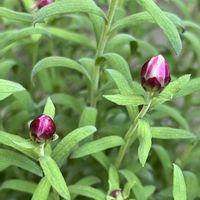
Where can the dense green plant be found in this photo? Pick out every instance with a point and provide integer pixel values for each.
(79, 62)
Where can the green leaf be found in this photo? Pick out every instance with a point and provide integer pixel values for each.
(63, 7)
(179, 187)
(8, 88)
(17, 35)
(67, 101)
(18, 143)
(57, 61)
(165, 161)
(5, 67)
(11, 158)
(65, 146)
(97, 146)
(124, 88)
(164, 23)
(97, 23)
(191, 24)
(26, 101)
(170, 133)
(174, 114)
(194, 41)
(19, 185)
(49, 108)
(191, 87)
(123, 100)
(171, 90)
(143, 17)
(118, 63)
(113, 179)
(144, 135)
(127, 189)
(42, 190)
(16, 16)
(86, 191)
(192, 185)
(71, 36)
(102, 159)
(54, 176)
(88, 180)
(137, 188)
(88, 117)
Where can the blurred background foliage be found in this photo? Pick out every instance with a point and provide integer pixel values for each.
(72, 36)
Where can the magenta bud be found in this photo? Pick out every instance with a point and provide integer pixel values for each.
(115, 193)
(42, 128)
(155, 74)
(42, 3)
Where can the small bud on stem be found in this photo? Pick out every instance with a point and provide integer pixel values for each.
(155, 74)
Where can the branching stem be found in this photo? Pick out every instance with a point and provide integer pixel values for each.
(130, 135)
(100, 50)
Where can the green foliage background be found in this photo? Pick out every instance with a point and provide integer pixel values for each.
(79, 65)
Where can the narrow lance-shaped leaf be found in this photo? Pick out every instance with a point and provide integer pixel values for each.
(97, 146)
(11, 158)
(174, 114)
(171, 90)
(194, 41)
(144, 135)
(171, 133)
(179, 187)
(102, 159)
(71, 36)
(18, 143)
(15, 36)
(124, 88)
(165, 24)
(54, 176)
(117, 62)
(49, 108)
(191, 87)
(8, 87)
(113, 179)
(87, 191)
(65, 146)
(19, 185)
(88, 117)
(72, 6)
(56, 61)
(123, 100)
(165, 161)
(192, 184)
(68, 101)
(137, 188)
(17, 16)
(42, 190)
(143, 17)
(5, 67)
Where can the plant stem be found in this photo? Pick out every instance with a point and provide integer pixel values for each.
(130, 135)
(41, 149)
(100, 50)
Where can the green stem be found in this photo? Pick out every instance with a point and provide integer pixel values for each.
(41, 149)
(130, 135)
(100, 50)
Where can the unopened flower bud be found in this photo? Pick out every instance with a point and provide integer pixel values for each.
(155, 74)
(42, 128)
(42, 3)
(115, 193)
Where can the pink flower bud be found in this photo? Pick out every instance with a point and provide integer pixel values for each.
(42, 3)
(42, 128)
(155, 74)
(115, 193)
